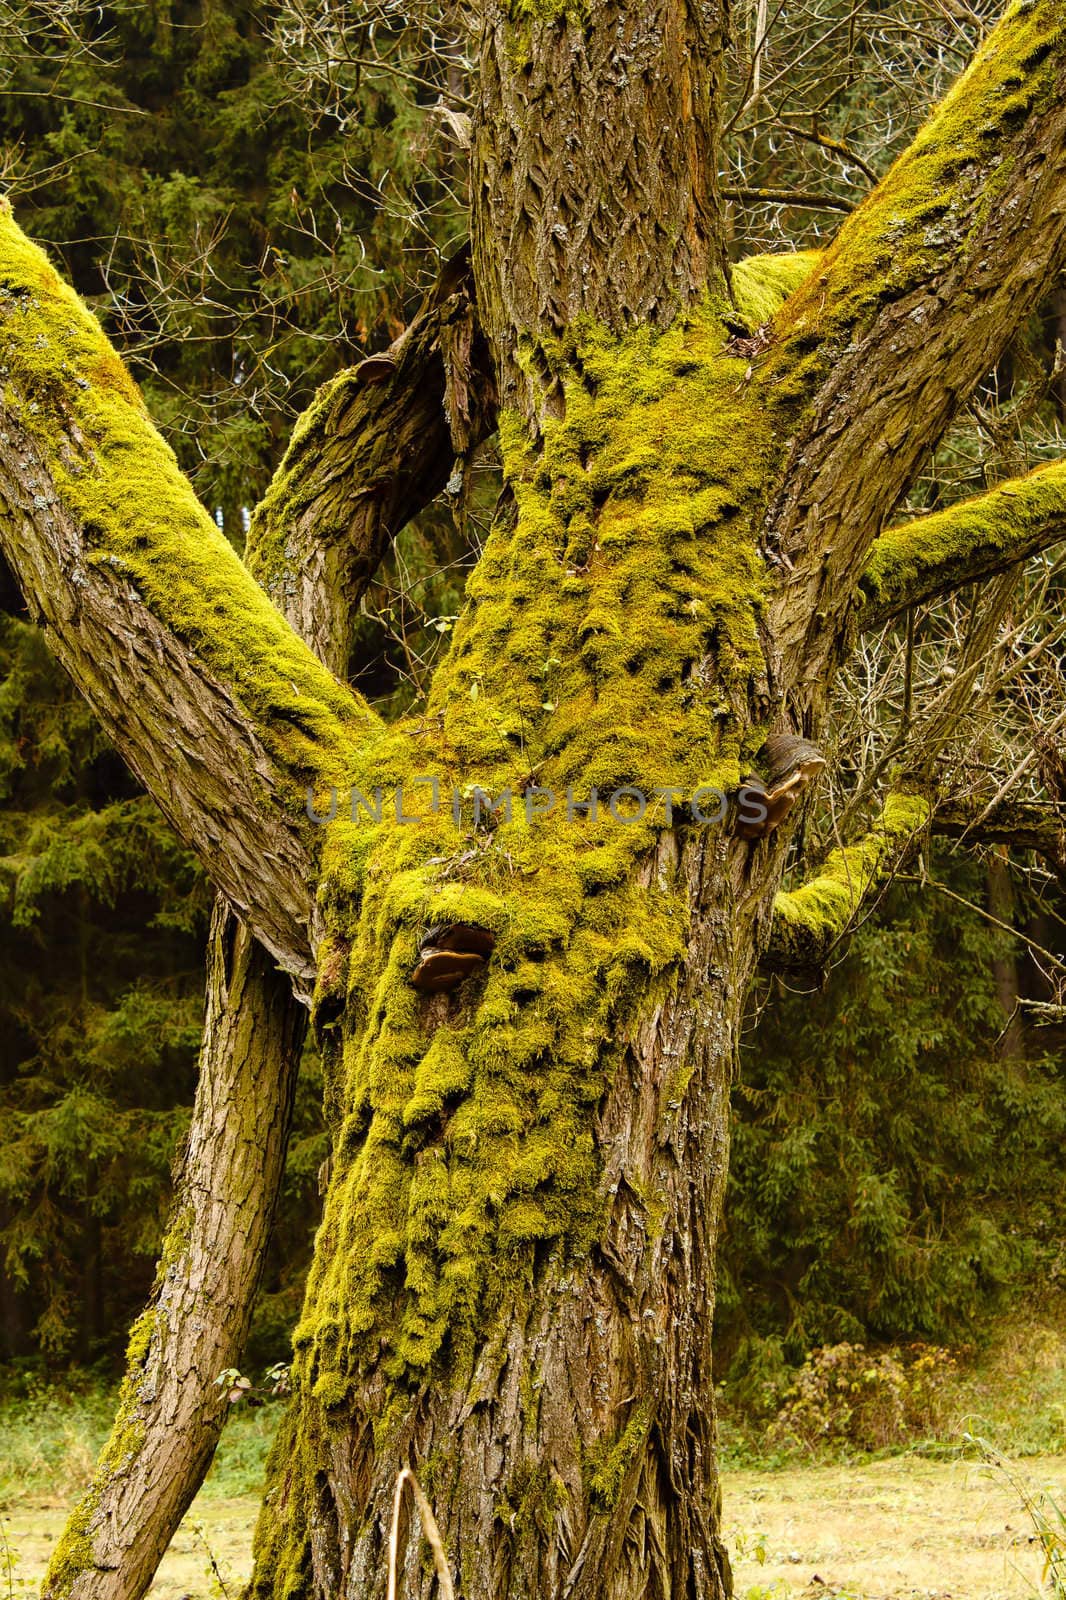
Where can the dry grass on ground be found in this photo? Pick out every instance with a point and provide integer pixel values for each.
(903, 1529)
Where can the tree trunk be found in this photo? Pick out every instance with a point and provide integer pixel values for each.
(171, 1410)
(514, 1281)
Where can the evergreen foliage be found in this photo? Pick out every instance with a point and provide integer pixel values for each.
(894, 1174)
(234, 223)
(100, 1002)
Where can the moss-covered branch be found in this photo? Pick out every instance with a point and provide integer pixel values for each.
(913, 303)
(217, 705)
(935, 555)
(809, 921)
(376, 446)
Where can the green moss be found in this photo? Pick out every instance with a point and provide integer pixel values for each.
(762, 284)
(73, 1554)
(269, 555)
(610, 637)
(64, 385)
(548, 10)
(608, 1467)
(534, 1497)
(918, 558)
(818, 912)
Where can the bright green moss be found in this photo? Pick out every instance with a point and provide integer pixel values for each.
(820, 911)
(64, 385)
(920, 557)
(607, 1469)
(585, 656)
(762, 284)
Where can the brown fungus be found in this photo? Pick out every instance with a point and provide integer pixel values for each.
(449, 952)
(790, 763)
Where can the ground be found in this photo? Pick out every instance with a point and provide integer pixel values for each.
(891, 1530)
(804, 1521)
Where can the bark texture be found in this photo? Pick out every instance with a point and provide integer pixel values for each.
(595, 174)
(914, 302)
(218, 707)
(378, 444)
(171, 1411)
(356, 472)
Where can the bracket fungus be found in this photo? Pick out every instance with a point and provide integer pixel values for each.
(449, 952)
(790, 764)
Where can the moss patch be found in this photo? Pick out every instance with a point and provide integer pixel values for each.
(811, 917)
(762, 284)
(64, 385)
(628, 563)
(919, 558)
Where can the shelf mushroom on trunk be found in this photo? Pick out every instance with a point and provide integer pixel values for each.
(790, 764)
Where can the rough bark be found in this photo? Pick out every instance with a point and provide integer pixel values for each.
(513, 1284)
(378, 444)
(221, 711)
(171, 1411)
(595, 174)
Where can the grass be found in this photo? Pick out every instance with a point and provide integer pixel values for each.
(50, 1434)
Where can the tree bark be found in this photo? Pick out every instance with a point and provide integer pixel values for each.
(513, 1284)
(171, 1410)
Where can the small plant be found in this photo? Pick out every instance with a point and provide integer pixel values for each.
(14, 1586)
(1046, 1515)
(220, 1587)
(845, 1394)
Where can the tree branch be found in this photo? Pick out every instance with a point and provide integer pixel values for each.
(221, 711)
(799, 198)
(1021, 824)
(377, 445)
(913, 304)
(935, 555)
(809, 922)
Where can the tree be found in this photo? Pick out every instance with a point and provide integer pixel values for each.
(513, 1285)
